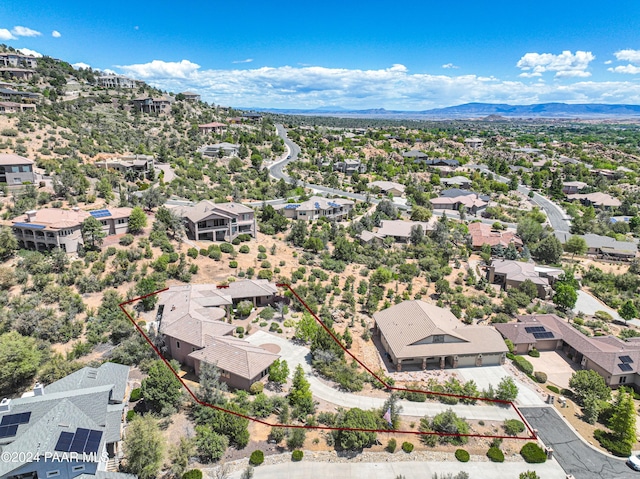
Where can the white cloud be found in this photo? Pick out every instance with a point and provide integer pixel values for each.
(25, 32)
(630, 69)
(565, 64)
(27, 51)
(56, 34)
(392, 88)
(628, 55)
(450, 65)
(161, 69)
(6, 34)
(608, 62)
(80, 65)
(248, 60)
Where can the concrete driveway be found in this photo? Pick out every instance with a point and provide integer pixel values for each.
(573, 454)
(558, 367)
(589, 304)
(295, 354)
(492, 375)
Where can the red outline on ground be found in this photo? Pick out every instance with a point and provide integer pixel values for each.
(330, 428)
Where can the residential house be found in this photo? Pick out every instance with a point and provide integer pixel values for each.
(473, 143)
(439, 162)
(388, 187)
(615, 360)
(9, 94)
(415, 155)
(50, 228)
(211, 221)
(597, 200)
(350, 166)
(420, 335)
(17, 59)
(603, 246)
(454, 192)
(260, 292)
(224, 149)
(147, 104)
(317, 207)
(482, 234)
(511, 274)
(252, 116)
(214, 127)
(400, 230)
(457, 182)
(473, 203)
(13, 107)
(369, 237)
(122, 164)
(18, 73)
(116, 81)
(573, 187)
(191, 96)
(16, 170)
(72, 428)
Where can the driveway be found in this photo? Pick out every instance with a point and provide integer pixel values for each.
(589, 304)
(558, 367)
(574, 455)
(295, 354)
(492, 375)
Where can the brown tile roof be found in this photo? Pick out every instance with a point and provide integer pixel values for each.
(235, 356)
(215, 124)
(56, 218)
(482, 234)
(388, 185)
(518, 271)
(12, 159)
(406, 325)
(401, 228)
(194, 330)
(597, 199)
(206, 208)
(251, 288)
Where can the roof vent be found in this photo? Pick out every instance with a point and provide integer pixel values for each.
(5, 405)
(30, 215)
(38, 390)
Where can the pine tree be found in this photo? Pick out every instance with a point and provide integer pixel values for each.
(623, 419)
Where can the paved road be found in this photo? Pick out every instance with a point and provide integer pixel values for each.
(295, 354)
(574, 455)
(589, 304)
(408, 469)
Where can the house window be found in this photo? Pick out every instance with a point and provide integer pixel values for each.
(623, 379)
(77, 468)
(438, 338)
(53, 473)
(122, 221)
(225, 374)
(177, 344)
(104, 222)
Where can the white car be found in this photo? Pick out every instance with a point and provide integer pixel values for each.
(634, 461)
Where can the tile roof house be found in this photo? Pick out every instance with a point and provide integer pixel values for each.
(259, 291)
(615, 360)
(597, 200)
(473, 203)
(350, 166)
(214, 127)
(511, 274)
(572, 187)
(224, 148)
(415, 155)
(386, 187)
(191, 96)
(603, 246)
(77, 419)
(421, 335)
(124, 163)
(457, 182)
(482, 233)
(211, 221)
(116, 81)
(147, 104)
(317, 207)
(50, 228)
(16, 59)
(400, 230)
(14, 107)
(16, 170)
(473, 143)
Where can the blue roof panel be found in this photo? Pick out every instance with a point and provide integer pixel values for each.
(30, 225)
(100, 213)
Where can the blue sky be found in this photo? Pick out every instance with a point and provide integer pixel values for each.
(407, 55)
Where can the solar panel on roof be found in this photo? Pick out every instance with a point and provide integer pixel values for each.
(64, 442)
(21, 418)
(317, 205)
(543, 335)
(30, 225)
(625, 367)
(100, 213)
(8, 431)
(534, 329)
(291, 207)
(625, 359)
(79, 440)
(93, 442)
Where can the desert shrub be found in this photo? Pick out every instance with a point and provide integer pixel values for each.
(297, 455)
(130, 415)
(256, 458)
(136, 395)
(192, 253)
(540, 376)
(244, 249)
(126, 240)
(534, 353)
(553, 389)
(407, 447)
(495, 454)
(226, 248)
(533, 454)
(267, 313)
(240, 330)
(215, 254)
(256, 388)
(523, 365)
(274, 327)
(233, 264)
(612, 444)
(391, 445)
(192, 474)
(236, 241)
(513, 427)
(462, 455)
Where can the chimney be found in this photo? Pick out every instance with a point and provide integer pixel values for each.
(30, 215)
(38, 390)
(5, 405)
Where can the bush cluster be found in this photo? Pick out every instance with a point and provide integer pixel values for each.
(256, 458)
(297, 455)
(523, 365)
(226, 248)
(462, 455)
(407, 447)
(495, 454)
(540, 376)
(533, 454)
(192, 474)
(391, 445)
(136, 395)
(513, 427)
(534, 353)
(611, 444)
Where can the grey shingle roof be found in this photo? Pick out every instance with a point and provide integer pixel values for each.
(251, 288)
(109, 373)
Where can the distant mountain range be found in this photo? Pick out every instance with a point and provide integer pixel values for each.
(477, 111)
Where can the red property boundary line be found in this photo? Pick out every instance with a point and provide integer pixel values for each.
(532, 433)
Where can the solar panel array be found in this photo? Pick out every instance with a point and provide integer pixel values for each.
(317, 205)
(8, 431)
(291, 207)
(11, 419)
(100, 213)
(625, 359)
(544, 335)
(625, 367)
(30, 225)
(535, 329)
(334, 205)
(84, 441)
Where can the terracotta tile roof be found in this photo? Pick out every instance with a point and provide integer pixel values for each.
(57, 218)
(388, 185)
(401, 228)
(12, 159)
(597, 199)
(482, 234)
(251, 288)
(206, 208)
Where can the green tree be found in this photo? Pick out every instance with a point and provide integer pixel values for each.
(549, 250)
(8, 243)
(381, 276)
(565, 296)
(628, 311)
(161, 390)
(152, 198)
(529, 230)
(92, 233)
(144, 447)
(146, 286)
(507, 389)
(298, 233)
(529, 288)
(179, 456)
(306, 328)
(137, 220)
(170, 221)
(279, 372)
(19, 360)
(211, 445)
(623, 419)
(236, 428)
(211, 389)
(358, 419)
(314, 243)
(589, 382)
(447, 422)
(576, 245)
(300, 396)
(244, 308)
